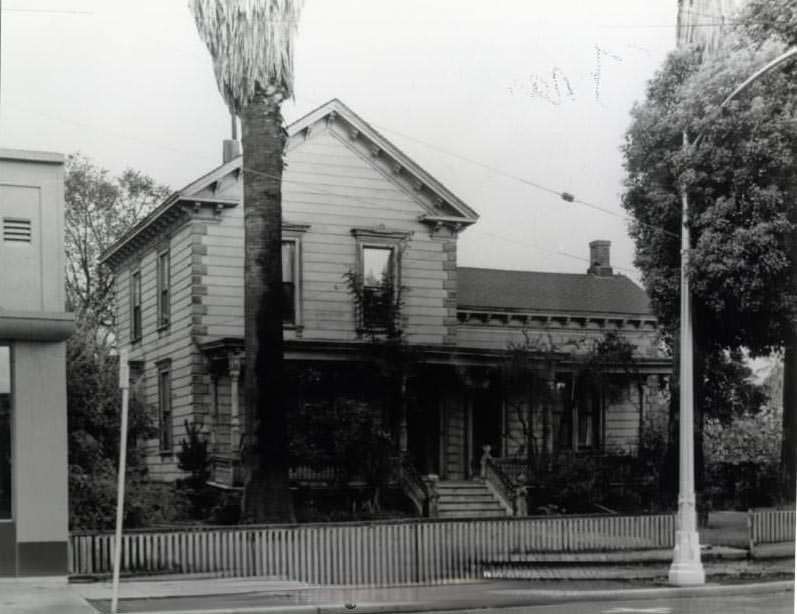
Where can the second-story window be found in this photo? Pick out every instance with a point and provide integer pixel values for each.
(378, 277)
(135, 306)
(164, 283)
(289, 289)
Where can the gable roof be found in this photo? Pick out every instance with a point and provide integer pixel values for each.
(447, 208)
(495, 289)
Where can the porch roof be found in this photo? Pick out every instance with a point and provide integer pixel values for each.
(570, 293)
(338, 351)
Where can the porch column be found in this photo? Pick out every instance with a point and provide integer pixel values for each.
(547, 411)
(403, 436)
(214, 411)
(234, 362)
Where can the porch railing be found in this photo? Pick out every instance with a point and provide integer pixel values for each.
(411, 483)
(504, 489)
(372, 553)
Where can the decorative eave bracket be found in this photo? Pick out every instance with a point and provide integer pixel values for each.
(452, 224)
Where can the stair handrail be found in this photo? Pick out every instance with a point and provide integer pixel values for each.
(413, 485)
(511, 494)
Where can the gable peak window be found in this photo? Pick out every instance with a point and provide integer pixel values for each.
(378, 285)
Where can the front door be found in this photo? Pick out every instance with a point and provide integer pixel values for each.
(423, 427)
(485, 425)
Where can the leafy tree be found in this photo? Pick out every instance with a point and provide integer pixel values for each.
(251, 44)
(99, 208)
(740, 182)
(93, 419)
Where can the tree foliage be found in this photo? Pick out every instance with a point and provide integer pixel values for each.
(93, 419)
(739, 182)
(99, 208)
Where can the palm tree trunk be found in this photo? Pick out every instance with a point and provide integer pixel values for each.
(266, 494)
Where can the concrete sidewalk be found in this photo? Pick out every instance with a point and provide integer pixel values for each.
(583, 581)
(41, 596)
(265, 597)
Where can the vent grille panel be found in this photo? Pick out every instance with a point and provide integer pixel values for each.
(16, 229)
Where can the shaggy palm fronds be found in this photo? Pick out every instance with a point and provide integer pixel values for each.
(251, 43)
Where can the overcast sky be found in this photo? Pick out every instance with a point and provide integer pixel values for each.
(490, 97)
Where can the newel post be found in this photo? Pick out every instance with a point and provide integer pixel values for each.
(520, 490)
(486, 456)
(433, 495)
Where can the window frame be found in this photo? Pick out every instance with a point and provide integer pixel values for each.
(383, 237)
(136, 318)
(164, 298)
(296, 265)
(294, 233)
(392, 264)
(165, 416)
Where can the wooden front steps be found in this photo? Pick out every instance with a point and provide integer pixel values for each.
(467, 499)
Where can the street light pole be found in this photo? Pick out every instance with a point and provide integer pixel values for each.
(687, 568)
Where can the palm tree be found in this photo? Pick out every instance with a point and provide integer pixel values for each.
(251, 43)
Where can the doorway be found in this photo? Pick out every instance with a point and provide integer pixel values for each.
(486, 426)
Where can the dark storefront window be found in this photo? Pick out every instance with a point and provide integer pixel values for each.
(5, 432)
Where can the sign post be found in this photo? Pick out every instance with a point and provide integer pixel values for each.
(124, 384)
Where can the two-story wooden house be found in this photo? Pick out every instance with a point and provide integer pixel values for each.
(354, 203)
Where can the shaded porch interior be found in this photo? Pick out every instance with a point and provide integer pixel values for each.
(450, 417)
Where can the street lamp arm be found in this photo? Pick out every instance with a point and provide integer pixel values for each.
(784, 57)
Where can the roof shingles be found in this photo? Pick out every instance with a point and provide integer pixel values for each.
(494, 289)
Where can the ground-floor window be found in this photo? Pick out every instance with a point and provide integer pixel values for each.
(5, 432)
(165, 406)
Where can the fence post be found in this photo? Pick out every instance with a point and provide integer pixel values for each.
(750, 533)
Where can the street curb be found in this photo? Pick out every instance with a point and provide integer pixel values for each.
(499, 601)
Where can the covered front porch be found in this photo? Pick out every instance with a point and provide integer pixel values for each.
(456, 422)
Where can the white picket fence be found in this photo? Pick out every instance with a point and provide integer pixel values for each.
(373, 553)
(771, 526)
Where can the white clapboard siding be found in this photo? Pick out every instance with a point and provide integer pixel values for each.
(173, 342)
(329, 187)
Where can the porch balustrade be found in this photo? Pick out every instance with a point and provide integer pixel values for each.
(511, 491)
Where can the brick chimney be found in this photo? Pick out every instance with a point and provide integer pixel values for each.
(600, 263)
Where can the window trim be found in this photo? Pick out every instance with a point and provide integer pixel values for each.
(136, 333)
(297, 303)
(294, 232)
(394, 265)
(163, 308)
(381, 238)
(164, 426)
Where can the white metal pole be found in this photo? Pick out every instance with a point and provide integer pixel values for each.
(124, 384)
(686, 568)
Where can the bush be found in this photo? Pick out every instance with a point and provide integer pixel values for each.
(195, 498)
